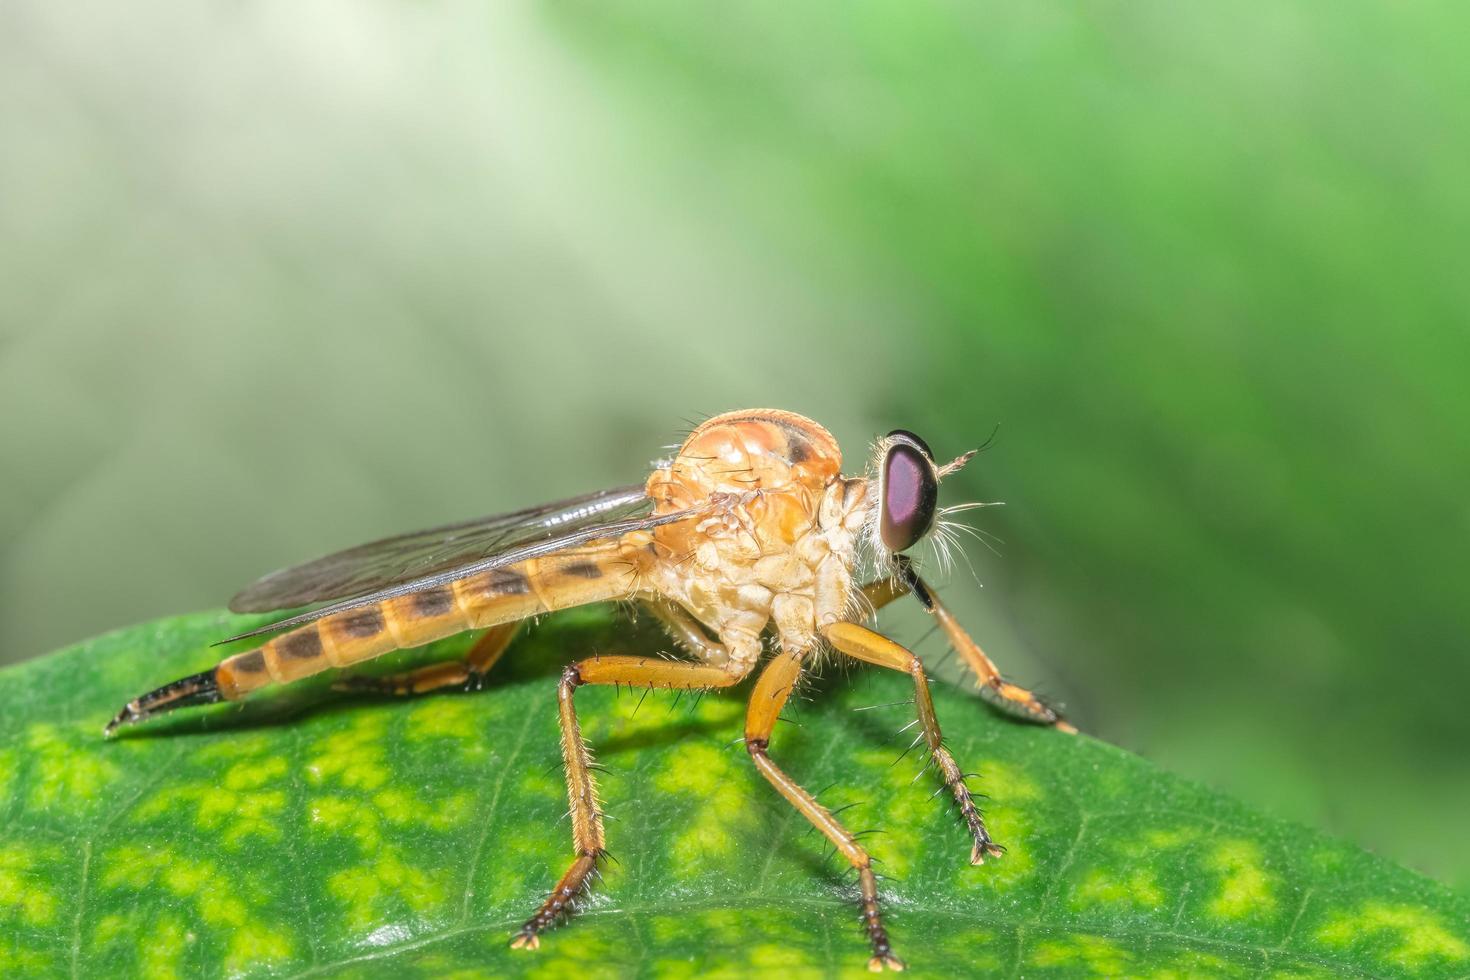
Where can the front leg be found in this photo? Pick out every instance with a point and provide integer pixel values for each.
(687, 631)
(586, 812)
(1010, 698)
(863, 644)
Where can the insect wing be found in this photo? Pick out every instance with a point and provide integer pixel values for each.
(559, 542)
(402, 558)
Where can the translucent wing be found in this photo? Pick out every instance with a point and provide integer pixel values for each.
(401, 558)
(428, 559)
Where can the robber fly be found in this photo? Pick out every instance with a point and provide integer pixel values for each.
(749, 527)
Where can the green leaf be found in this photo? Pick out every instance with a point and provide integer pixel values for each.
(314, 834)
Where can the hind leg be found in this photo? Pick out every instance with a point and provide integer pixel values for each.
(466, 673)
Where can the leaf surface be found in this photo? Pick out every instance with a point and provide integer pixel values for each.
(316, 834)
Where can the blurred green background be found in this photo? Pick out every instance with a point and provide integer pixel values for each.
(276, 278)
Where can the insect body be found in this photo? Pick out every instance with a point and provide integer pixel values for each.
(749, 529)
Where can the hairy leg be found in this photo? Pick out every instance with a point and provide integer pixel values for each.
(770, 694)
(874, 648)
(1010, 698)
(586, 812)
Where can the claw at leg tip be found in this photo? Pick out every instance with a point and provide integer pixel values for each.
(523, 941)
(980, 852)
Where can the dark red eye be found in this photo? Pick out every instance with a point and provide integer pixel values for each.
(909, 493)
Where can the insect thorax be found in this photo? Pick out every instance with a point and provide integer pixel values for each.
(779, 544)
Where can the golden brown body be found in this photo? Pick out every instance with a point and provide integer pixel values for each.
(778, 546)
(503, 595)
(755, 530)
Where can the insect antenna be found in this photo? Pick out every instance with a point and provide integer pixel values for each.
(989, 440)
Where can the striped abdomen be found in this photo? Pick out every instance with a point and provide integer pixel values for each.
(590, 574)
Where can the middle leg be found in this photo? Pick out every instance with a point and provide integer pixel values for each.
(771, 691)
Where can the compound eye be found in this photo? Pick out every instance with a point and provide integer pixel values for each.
(910, 492)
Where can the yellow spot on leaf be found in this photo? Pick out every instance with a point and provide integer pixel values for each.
(26, 963)
(23, 883)
(1139, 888)
(695, 767)
(253, 942)
(217, 900)
(1245, 888)
(396, 805)
(340, 814)
(705, 774)
(369, 891)
(243, 804)
(353, 758)
(110, 927)
(1162, 840)
(1099, 957)
(1004, 783)
(450, 813)
(162, 954)
(1421, 935)
(255, 773)
(455, 718)
(786, 961)
(67, 772)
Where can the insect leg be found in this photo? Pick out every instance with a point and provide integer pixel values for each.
(686, 631)
(1011, 698)
(880, 592)
(467, 673)
(586, 811)
(874, 648)
(770, 694)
